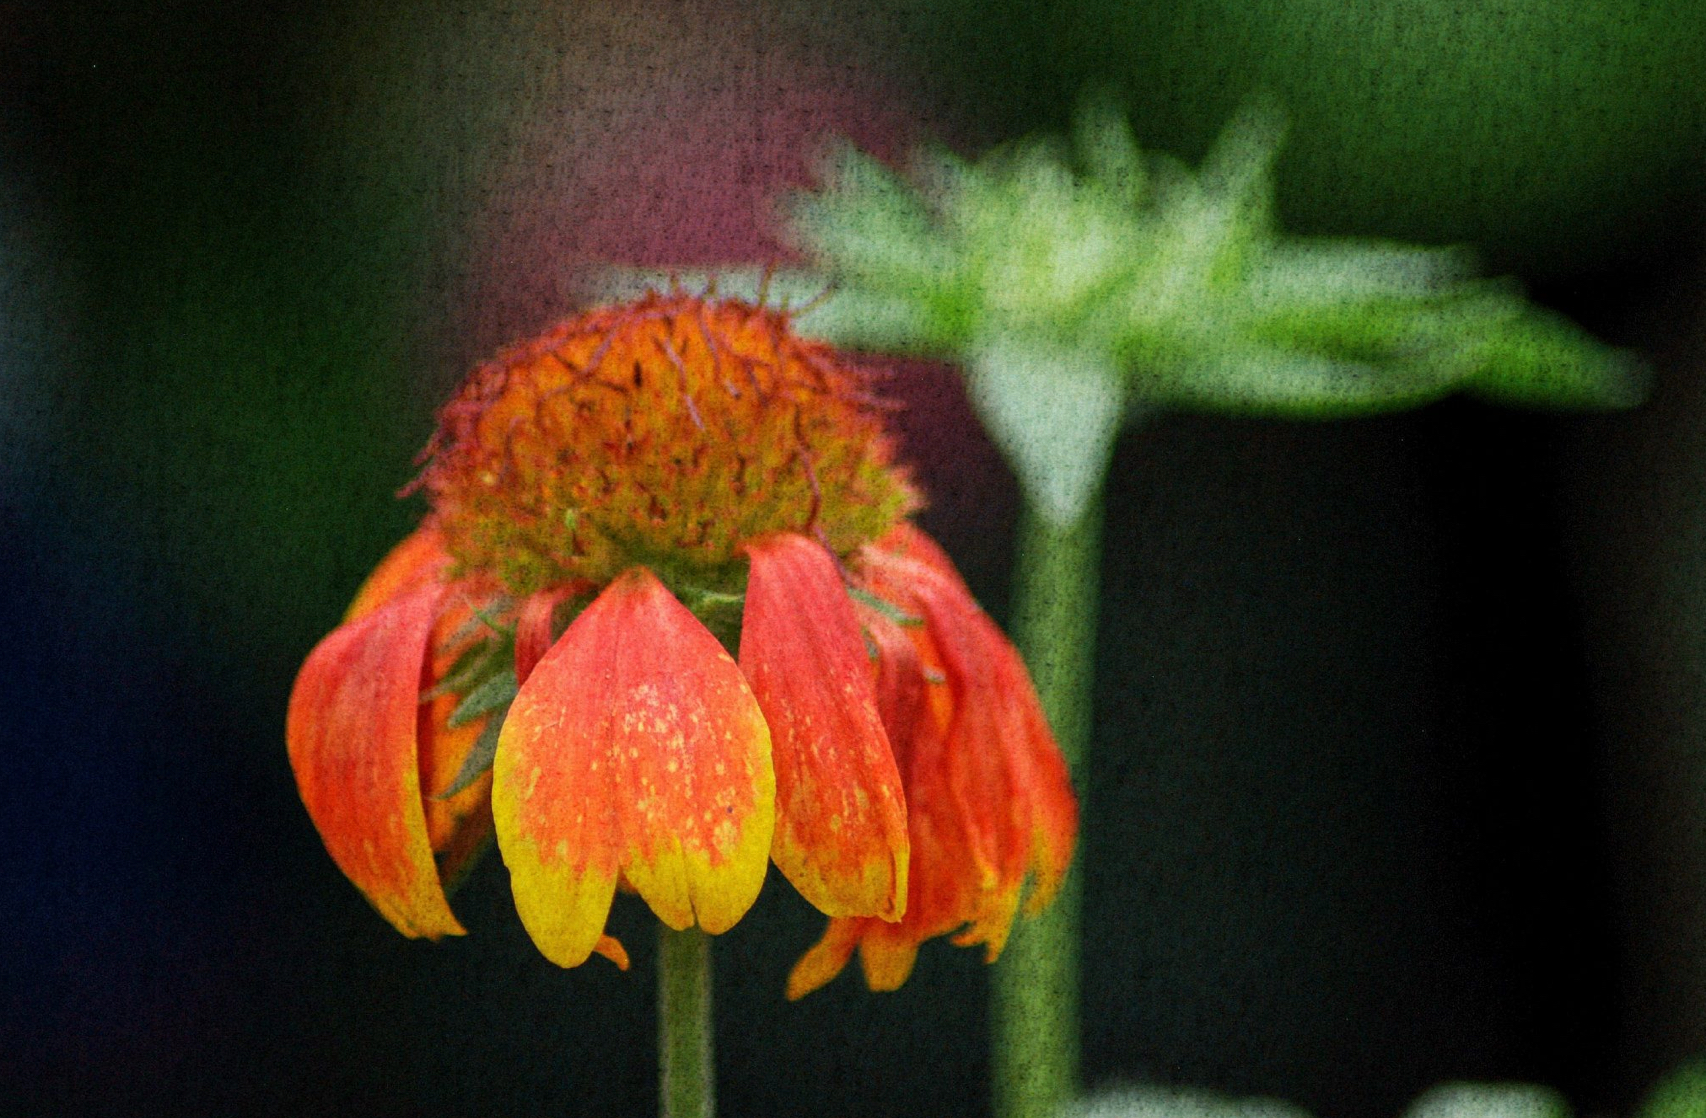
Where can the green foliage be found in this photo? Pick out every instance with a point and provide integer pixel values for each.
(1489, 1100)
(1681, 1094)
(1182, 279)
(1154, 1101)
(1448, 1100)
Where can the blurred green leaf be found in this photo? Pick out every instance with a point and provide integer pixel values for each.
(1147, 1101)
(1181, 280)
(1680, 1094)
(1489, 1100)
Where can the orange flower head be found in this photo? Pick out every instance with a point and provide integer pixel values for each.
(665, 434)
(666, 624)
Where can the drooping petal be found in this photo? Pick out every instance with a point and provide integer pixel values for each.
(989, 800)
(1002, 742)
(535, 626)
(840, 812)
(352, 733)
(417, 561)
(635, 748)
(827, 958)
(886, 956)
(611, 948)
(975, 719)
(944, 879)
(990, 761)
(899, 679)
(907, 540)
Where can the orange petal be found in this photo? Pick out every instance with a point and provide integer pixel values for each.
(899, 682)
(418, 560)
(826, 959)
(994, 922)
(980, 772)
(886, 956)
(1003, 748)
(535, 626)
(611, 948)
(635, 748)
(840, 813)
(351, 730)
(907, 540)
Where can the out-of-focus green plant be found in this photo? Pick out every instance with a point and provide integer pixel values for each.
(1680, 1094)
(1489, 1100)
(1155, 1101)
(1448, 1100)
(1080, 285)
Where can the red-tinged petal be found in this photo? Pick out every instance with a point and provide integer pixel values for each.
(907, 540)
(635, 749)
(828, 957)
(983, 726)
(535, 627)
(840, 812)
(352, 728)
(899, 680)
(948, 875)
(996, 710)
(418, 560)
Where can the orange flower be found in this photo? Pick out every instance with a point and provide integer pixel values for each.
(614, 505)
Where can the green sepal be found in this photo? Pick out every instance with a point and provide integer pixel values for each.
(473, 666)
(494, 692)
(480, 757)
(885, 607)
(486, 618)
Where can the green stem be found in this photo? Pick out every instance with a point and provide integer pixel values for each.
(1036, 981)
(686, 1070)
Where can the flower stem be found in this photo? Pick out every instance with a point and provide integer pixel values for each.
(1036, 981)
(686, 1069)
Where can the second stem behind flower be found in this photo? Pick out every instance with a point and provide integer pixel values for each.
(1036, 982)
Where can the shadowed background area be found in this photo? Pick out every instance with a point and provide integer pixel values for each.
(1397, 774)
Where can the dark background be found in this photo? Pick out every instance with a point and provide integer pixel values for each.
(1399, 767)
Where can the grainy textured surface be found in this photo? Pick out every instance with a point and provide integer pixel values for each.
(1347, 834)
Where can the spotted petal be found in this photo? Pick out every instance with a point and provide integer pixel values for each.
(352, 732)
(840, 812)
(634, 749)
